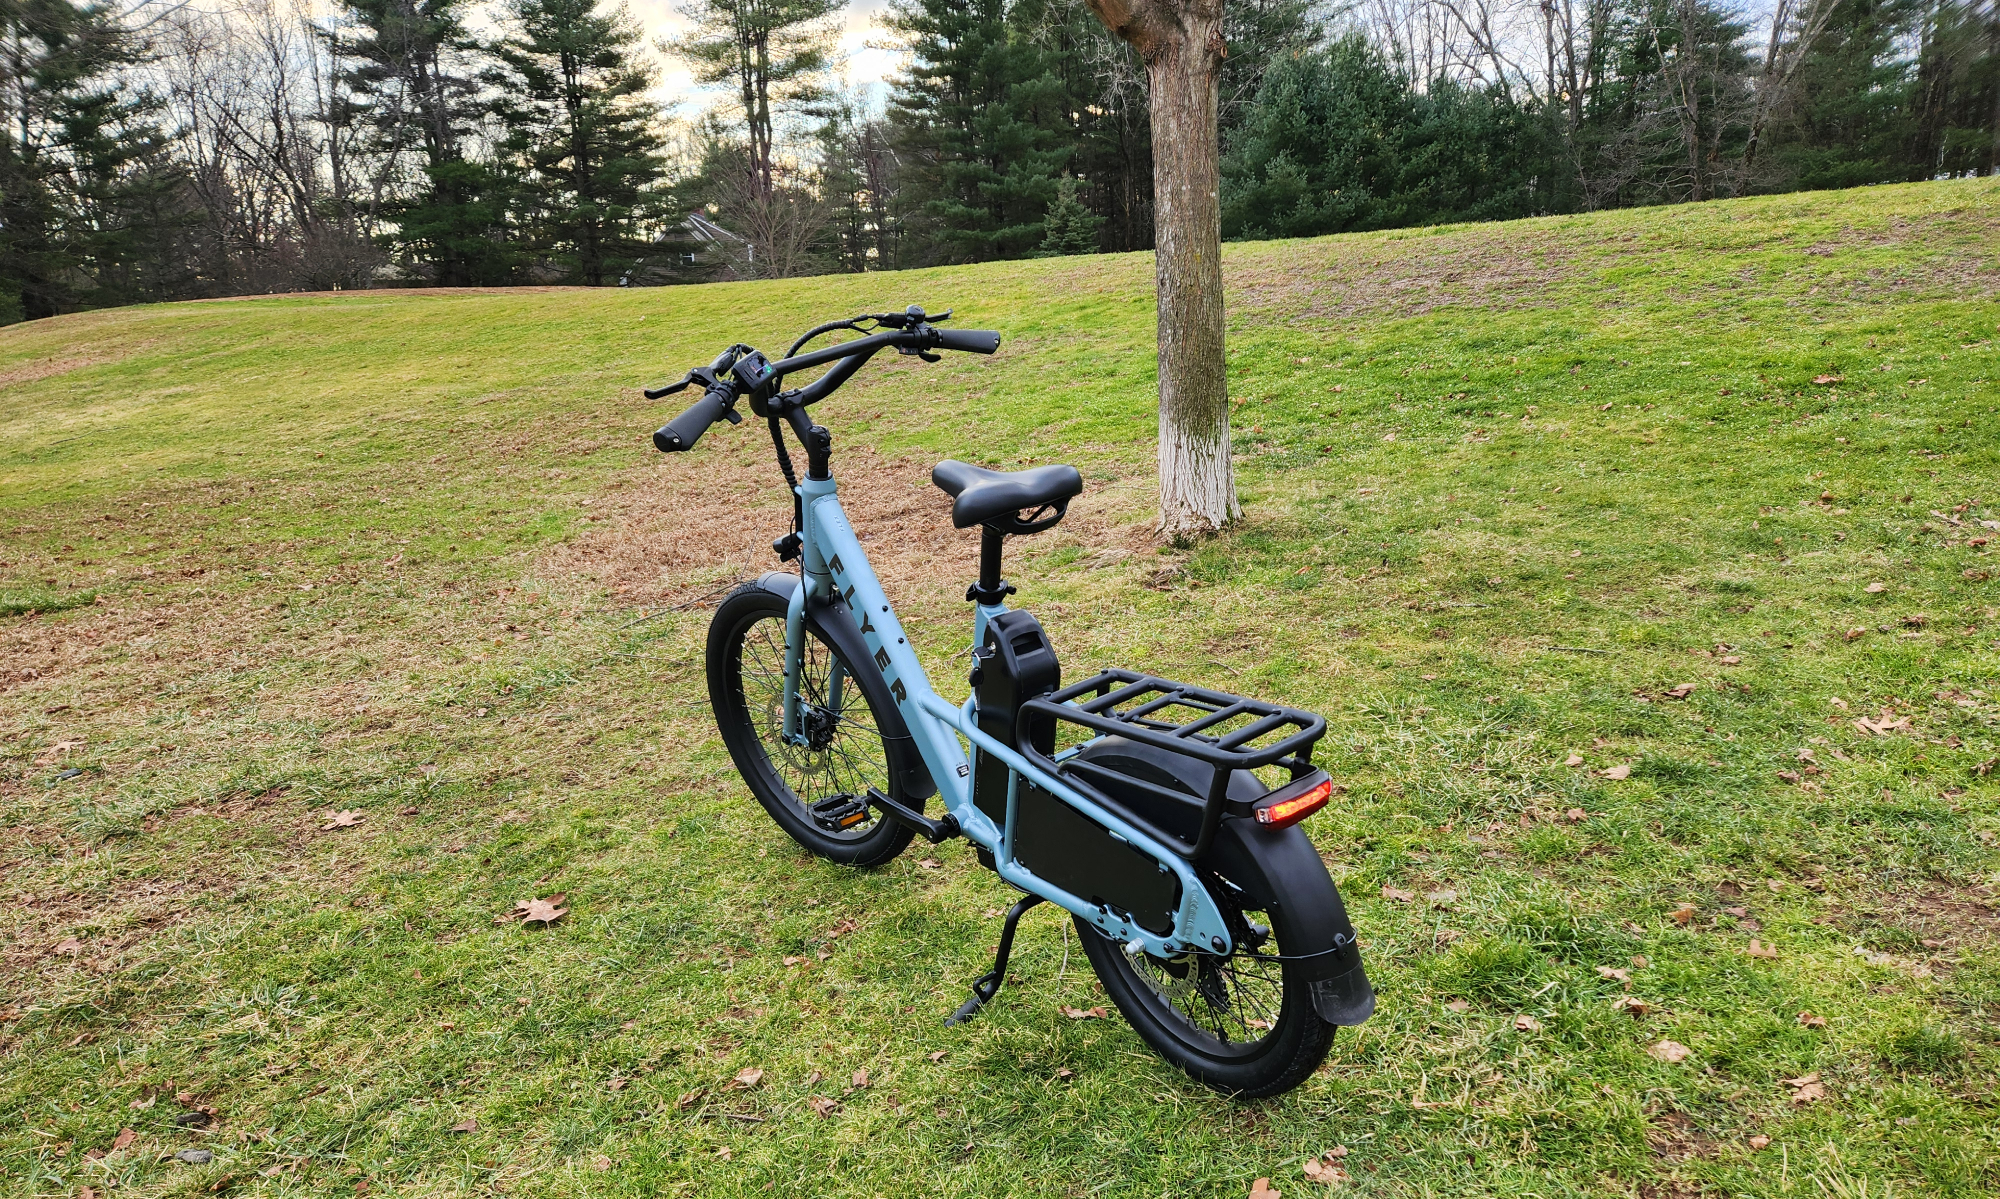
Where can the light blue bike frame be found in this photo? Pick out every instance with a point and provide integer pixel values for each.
(834, 564)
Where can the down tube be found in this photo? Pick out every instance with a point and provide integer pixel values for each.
(854, 581)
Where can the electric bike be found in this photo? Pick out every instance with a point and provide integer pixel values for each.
(1132, 802)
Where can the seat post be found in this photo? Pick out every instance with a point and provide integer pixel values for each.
(991, 588)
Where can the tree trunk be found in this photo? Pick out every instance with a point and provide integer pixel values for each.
(1181, 44)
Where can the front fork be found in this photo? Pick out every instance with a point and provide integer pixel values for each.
(795, 654)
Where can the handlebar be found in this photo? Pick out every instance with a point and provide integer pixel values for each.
(909, 332)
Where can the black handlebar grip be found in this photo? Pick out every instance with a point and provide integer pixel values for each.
(972, 341)
(684, 430)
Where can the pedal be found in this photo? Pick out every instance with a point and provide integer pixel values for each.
(840, 813)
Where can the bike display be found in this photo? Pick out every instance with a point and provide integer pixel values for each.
(1133, 802)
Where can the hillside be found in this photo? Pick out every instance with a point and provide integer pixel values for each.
(1507, 488)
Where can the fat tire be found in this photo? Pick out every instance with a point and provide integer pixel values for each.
(734, 618)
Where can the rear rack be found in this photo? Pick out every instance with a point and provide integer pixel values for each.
(1140, 707)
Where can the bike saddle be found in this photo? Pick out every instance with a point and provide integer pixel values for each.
(996, 497)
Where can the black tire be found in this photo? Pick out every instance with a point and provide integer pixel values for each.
(846, 754)
(1203, 1012)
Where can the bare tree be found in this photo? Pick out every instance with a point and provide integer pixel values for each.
(1795, 26)
(1181, 43)
(775, 225)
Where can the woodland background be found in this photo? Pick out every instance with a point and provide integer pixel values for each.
(159, 151)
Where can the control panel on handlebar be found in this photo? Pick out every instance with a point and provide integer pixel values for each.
(741, 371)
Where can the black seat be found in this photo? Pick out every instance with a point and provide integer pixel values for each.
(984, 496)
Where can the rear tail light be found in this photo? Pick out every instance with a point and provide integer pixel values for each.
(1293, 802)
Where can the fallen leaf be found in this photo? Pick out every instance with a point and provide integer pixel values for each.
(540, 911)
(600, 1163)
(823, 1105)
(140, 1105)
(1731, 660)
(464, 1126)
(1526, 1023)
(1679, 691)
(1620, 771)
(748, 1077)
(69, 946)
(1615, 974)
(1317, 1170)
(1261, 1189)
(1824, 380)
(1443, 898)
(346, 818)
(860, 1079)
(1396, 895)
(1808, 1020)
(724, 1153)
(1641, 961)
(1760, 950)
(1876, 588)
(689, 1098)
(1077, 1013)
(930, 863)
(814, 1078)
(1573, 760)
(1576, 815)
(1065, 1073)
(793, 961)
(1806, 1088)
(617, 1084)
(936, 1057)
(1632, 1005)
(1683, 913)
(1760, 1142)
(1458, 1005)
(1668, 1051)
(123, 1140)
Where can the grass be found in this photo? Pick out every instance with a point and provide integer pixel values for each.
(1507, 488)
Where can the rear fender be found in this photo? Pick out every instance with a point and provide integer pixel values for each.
(1282, 873)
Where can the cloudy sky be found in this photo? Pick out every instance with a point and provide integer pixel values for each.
(864, 68)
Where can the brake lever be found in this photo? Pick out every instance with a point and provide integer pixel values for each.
(660, 393)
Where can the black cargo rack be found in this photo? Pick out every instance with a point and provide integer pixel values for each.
(1136, 706)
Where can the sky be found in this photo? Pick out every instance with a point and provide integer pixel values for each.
(864, 69)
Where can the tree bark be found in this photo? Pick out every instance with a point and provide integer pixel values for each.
(1181, 43)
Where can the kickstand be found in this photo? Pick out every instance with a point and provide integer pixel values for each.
(988, 985)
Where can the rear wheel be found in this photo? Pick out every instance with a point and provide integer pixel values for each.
(837, 753)
(1243, 1023)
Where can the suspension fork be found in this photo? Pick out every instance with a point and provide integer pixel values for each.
(795, 651)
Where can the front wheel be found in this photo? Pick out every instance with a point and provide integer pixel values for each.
(1244, 1023)
(834, 756)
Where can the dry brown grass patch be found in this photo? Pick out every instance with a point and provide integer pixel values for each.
(696, 524)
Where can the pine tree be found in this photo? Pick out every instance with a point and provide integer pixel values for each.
(93, 208)
(415, 82)
(581, 133)
(1070, 227)
(980, 121)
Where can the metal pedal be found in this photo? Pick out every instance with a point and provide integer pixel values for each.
(839, 813)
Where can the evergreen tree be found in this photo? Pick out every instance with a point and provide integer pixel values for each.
(415, 82)
(1069, 227)
(582, 135)
(93, 208)
(773, 55)
(981, 125)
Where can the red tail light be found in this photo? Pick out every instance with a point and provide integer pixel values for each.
(1279, 809)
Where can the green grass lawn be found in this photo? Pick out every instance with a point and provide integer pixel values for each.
(1596, 539)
